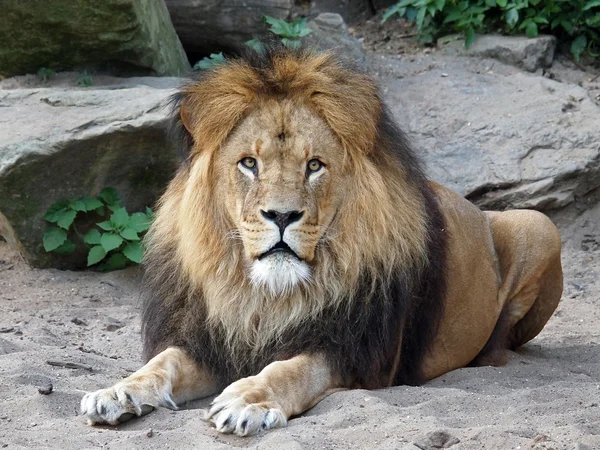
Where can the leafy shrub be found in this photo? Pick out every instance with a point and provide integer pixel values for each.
(574, 21)
(45, 74)
(116, 245)
(84, 80)
(290, 34)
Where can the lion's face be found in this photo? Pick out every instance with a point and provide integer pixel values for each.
(281, 175)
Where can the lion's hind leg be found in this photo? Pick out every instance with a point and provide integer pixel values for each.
(169, 379)
(528, 246)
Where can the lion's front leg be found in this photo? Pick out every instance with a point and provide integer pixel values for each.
(168, 379)
(267, 400)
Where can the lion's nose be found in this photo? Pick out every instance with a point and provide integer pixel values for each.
(282, 219)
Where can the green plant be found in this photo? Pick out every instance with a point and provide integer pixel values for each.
(207, 63)
(574, 21)
(45, 74)
(290, 33)
(255, 45)
(119, 242)
(84, 80)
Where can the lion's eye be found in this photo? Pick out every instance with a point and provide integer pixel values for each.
(249, 163)
(314, 165)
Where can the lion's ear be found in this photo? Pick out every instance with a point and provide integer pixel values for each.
(185, 115)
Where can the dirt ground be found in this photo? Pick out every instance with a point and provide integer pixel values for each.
(547, 397)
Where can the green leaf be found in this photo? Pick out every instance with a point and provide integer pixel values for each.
(114, 206)
(291, 43)
(453, 16)
(110, 241)
(53, 238)
(411, 14)
(66, 248)
(96, 254)
(304, 32)
(119, 218)
(67, 218)
(55, 211)
(532, 30)
(100, 211)
(593, 21)
(150, 214)
(591, 5)
(106, 225)
(255, 45)
(439, 4)
(77, 205)
(395, 9)
(490, 3)
(469, 36)
(109, 196)
(568, 26)
(578, 46)
(420, 17)
(210, 62)
(134, 251)
(91, 203)
(139, 222)
(130, 234)
(92, 237)
(512, 17)
(116, 261)
(502, 3)
(278, 26)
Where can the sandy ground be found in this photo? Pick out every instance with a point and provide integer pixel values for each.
(547, 397)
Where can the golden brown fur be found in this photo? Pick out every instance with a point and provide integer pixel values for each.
(387, 279)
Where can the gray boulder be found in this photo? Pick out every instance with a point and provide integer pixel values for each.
(500, 137)
(530, 54)
(128, 36)
(63, 143)
(330, 32)
(206, 26)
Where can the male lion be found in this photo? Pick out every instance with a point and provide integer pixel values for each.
(302, 251)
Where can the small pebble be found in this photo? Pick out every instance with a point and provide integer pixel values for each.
(78, 321)
(46, 389)
(150, 433)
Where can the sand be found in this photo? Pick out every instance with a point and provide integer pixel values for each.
(547, 397)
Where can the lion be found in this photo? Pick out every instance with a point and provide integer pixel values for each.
(300, 250)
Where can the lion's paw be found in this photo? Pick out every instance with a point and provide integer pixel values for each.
(232, 412)
(113, 406)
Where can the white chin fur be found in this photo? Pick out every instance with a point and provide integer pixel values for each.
(279, 273)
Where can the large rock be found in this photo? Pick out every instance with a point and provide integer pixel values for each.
(63, 143)
(205, 26)
(330, 32)
(130, 36)
(503, 138)
(530, 54)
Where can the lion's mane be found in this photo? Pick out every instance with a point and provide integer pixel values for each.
(378, 285)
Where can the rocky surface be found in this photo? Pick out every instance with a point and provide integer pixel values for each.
(129, 36)
(530, 54)
(352, 11)
(206, 26)
(329, 31)
(497, 135)
(62, 142)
